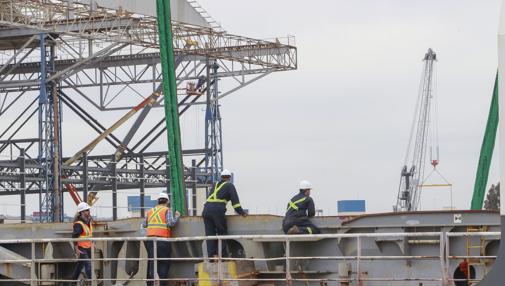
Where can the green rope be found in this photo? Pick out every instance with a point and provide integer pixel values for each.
(171, 111)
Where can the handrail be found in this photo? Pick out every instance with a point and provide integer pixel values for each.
(444, 256)
(254, 236)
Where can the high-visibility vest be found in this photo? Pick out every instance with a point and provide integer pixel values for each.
(294, 205)
(87, 232)
(213, 197)
(157, 222)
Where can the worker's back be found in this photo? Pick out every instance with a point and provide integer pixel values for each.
(219, 196)
(300, 206)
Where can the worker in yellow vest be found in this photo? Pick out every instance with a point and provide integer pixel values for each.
(214, 212)
(299, 211)
(158, 223)
(83, 228)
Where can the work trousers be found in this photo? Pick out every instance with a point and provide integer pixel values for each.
(85, 253)
(163, 251)
(215, 224)
(303, 223)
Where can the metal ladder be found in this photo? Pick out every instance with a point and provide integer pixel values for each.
(200, 10)
(481, 246)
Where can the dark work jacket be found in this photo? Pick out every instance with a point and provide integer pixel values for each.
(306, 207)
(227, 192)
(77, 229)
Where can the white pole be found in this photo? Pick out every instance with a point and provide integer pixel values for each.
(501, 102)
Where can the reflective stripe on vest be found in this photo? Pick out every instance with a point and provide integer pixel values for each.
(213, 197)
(294, 205)
(87, 232)
(157, 222)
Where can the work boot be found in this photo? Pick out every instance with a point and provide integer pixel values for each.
(294, 230)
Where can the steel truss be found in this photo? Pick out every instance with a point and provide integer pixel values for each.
(109, 59)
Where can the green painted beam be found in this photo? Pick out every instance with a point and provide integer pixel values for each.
(486, 152)
(171, 111)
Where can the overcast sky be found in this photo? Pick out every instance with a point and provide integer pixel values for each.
(342, 120)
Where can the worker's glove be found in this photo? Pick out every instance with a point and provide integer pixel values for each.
(177, 214)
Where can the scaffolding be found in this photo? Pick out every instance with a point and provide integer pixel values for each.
(71, 56)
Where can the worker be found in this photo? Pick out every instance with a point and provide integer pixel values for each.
(158, 223)
(464, 272)
(214, 211)
(299, 210)
(199, 85)
(82, 228)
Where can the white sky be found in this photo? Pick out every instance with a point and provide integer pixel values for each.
(342, 119)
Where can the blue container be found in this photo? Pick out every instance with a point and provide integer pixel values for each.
(134, 203)
(351, 206)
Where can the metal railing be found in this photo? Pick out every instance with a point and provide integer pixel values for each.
(442, 238)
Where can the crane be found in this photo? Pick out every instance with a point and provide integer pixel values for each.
(412, 173)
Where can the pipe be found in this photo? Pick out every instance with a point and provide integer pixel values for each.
(148, 101)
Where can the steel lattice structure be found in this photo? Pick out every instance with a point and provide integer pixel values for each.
(59, 55)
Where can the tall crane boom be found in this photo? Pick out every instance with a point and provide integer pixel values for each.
(412, 173)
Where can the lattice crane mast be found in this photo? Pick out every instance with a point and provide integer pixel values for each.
(412, 173)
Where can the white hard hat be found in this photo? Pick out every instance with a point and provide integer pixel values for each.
(163, 195)
(83, 206)
(225, 172)
(304, 185)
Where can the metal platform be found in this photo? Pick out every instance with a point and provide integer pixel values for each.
(367, 250)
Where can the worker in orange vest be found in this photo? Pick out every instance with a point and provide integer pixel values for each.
(158, 223)
(83, 229)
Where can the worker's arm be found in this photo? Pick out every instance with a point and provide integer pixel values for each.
(77, 230)
(235, 202)
(144, 223)
(172, 220)
(311, 209)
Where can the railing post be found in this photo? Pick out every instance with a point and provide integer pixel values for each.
(358, 261)
(288, 262)
(443, 266)
(447, 248)
(93, 278)
(155, 260)
(219, 255)
(33, 274)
